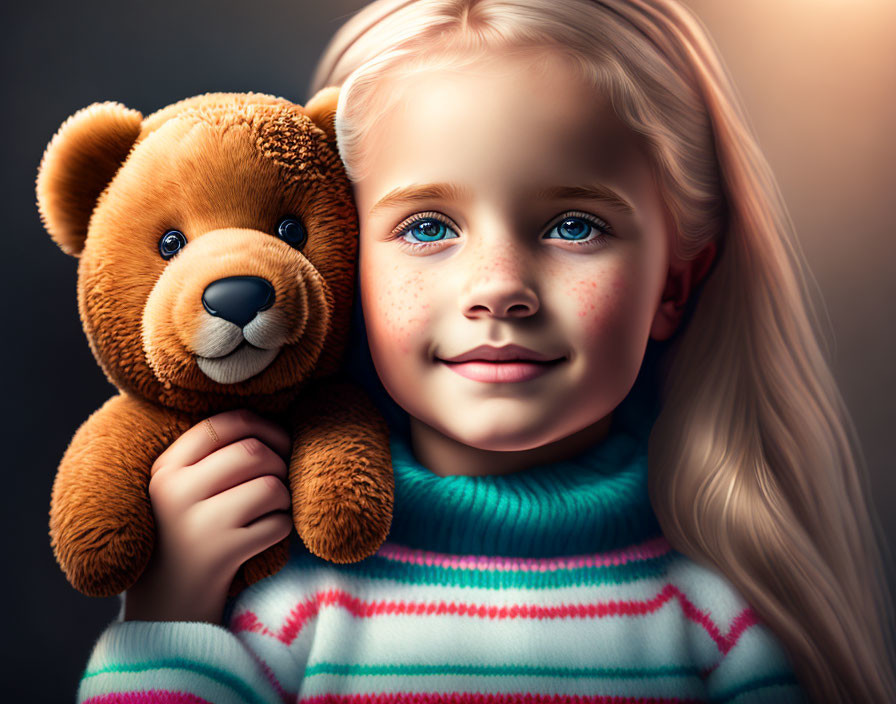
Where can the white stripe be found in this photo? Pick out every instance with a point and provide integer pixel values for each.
(658, 687)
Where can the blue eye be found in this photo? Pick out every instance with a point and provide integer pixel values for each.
(424, 229)
(577, 228)
(574, 229)
(291, 231)
(171, 243)
(428, 230)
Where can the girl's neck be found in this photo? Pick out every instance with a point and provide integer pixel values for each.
(445, 456)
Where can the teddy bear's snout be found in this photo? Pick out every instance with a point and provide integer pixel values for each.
(238, 299)
(241, 335)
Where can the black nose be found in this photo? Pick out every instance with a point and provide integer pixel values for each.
(238, 298)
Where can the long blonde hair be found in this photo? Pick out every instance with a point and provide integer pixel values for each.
(754, 467)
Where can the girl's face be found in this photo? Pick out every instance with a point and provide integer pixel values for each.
(508, 207)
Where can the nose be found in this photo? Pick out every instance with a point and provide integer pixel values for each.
(238, 298)
(499, 287)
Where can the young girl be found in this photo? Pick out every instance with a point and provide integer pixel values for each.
(570, 243)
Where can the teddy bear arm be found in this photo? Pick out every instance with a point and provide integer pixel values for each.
(340, 472)
(101, 523)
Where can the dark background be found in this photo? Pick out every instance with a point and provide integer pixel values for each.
(817, 77)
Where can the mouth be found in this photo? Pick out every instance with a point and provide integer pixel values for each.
(508, 353)
(501, 371)
(244, 362)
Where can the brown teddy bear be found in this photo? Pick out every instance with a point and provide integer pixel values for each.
(217, 241)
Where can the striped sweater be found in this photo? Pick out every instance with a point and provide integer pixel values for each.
(553, 584)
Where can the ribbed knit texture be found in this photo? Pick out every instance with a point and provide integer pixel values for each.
(549, 585)
(597, 501)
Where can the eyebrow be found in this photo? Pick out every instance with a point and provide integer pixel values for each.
(598, 192)
(409, 195)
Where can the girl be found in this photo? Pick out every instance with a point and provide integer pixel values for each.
(570, 243)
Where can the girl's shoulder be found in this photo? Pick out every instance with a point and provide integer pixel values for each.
(704, 587)
(742, 652)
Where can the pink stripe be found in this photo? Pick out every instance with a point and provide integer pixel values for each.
(398, 553)
(301, 614)
(477, 698)
(152, 696)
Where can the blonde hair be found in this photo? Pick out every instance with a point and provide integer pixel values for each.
(754, 467)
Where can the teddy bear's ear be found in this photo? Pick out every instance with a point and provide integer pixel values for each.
(78, 163)
(322, 110)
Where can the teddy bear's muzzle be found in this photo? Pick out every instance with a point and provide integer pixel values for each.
(239, 340)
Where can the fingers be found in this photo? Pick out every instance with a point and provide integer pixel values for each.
(251, 500)
(246, 519)
(219, 431)
(261, 534)
(228, 467)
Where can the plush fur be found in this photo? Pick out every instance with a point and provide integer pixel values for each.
(223, 169)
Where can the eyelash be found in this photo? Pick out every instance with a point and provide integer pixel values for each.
(604, 230)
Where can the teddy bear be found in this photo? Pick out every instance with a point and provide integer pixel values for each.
(217, 245)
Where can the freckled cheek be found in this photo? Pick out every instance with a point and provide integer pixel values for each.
(396, 311)
(600, 304)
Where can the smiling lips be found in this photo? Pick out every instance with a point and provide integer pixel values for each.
(508, 364)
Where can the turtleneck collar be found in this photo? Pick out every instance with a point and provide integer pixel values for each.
(594, 502)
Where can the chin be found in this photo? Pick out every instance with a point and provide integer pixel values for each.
(500, 440)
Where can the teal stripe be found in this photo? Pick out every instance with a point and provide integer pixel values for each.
(349, 670)
(245, 692)
(783, 680)
(381, 568)
(595, 502)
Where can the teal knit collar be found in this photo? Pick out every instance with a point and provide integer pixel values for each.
(594, 502)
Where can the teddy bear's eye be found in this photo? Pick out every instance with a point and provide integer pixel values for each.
(291, 230)
(171, 243)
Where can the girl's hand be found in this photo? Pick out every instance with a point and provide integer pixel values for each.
(219, 497)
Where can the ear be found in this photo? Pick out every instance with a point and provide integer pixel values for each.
(322, 111)
(78, 164)
(683, 277)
